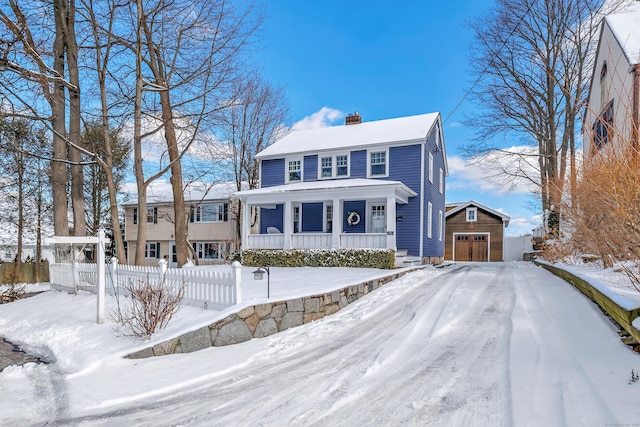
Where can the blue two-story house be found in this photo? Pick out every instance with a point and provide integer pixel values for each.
(367, 185)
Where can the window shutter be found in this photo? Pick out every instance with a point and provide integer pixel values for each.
(135, 215)
(157, 249)
(226, 212)
(155, 216)
(192, 213)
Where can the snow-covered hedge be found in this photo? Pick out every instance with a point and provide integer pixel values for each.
(360, 258)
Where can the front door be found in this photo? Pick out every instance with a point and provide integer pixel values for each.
(378, 219)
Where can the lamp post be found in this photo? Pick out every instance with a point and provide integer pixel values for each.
(259, 274)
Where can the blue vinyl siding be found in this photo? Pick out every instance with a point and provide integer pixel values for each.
(310, 168)
(272, 173)
(271, 218)
(433, 246)
(312, 217)
(359, 206)
(404, 166)
(358, 164)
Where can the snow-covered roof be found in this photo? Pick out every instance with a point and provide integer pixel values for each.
(457, 207)
(220, 191)
(403, 129)
(625, 26)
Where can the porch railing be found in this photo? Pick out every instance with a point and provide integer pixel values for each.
(318, 241)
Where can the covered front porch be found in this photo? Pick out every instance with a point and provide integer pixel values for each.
(337, 214)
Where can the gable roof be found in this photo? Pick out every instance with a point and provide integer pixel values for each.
(625, 26)
(403, 129)
(460, 206)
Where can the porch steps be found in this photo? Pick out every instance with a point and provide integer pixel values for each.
(403, 259)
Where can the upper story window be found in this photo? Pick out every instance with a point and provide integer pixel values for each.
(603, 85)
(210, 212)
(472, 214)
(430, 167)
(602, 129)
(152, 215)
(294, 170)
(441, 181)
(334, 166)
(377, 163)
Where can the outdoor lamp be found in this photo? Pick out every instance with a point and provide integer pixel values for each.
(259, 274)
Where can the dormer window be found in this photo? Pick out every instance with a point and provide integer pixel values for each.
(603, 85)
(294, 170)
(377, 163)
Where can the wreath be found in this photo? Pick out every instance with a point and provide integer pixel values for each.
(353, 218)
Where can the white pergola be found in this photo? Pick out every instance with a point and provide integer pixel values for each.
(334, 191)
(100, 240)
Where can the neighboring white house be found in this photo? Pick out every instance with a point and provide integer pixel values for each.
(611, 114)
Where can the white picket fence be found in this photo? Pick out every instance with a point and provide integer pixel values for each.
(202, 288)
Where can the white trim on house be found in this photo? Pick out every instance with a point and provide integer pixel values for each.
(287, 170)
(460, 206)
(334, 164)
(336, 192)
(370, 152)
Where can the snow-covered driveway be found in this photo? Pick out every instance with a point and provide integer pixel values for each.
(470, 345)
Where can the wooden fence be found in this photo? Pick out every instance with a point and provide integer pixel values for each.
(27, 273)
(202, 288)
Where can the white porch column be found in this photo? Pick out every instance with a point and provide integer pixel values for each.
(245, 226)
(391, 223)
(287, 223)
(336, 224)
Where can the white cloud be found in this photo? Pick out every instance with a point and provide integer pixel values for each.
(323, 118)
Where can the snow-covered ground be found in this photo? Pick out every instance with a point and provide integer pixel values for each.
(466, 345)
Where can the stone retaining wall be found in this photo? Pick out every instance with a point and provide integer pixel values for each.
(259, 321)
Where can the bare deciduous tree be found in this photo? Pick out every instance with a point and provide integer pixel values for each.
(533, 59)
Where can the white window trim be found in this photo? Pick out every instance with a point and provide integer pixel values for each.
(369, 152)
(440, 225)
(147, 250)
(201, 221)
(286, 169)
(430, 167)
(325, 206)
(199, 247)
(334, 165)
(441, 181)
(475, 216)
(429, 219)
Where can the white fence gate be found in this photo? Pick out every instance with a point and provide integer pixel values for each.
(516, 246)
(202, 288)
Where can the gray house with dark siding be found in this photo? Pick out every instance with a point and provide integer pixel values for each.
(377, 184)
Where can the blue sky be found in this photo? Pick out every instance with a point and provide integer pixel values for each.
(336, 57)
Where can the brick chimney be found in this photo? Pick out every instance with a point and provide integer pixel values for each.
(353, 119)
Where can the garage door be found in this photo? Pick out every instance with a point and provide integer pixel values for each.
(471, 247)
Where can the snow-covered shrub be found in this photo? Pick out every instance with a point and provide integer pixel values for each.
(149, 308)
(359, 258)
(11, 293)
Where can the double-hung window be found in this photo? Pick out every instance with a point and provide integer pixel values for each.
(472, 214)
(152, 250)
(333, 166)
(342, 165)
(431, 167)
(210, 212)
(294, 170)
(378, 163)
(152, 215)
(208, 250)
(326, 167)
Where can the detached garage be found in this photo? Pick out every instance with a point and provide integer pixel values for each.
(474, 232)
